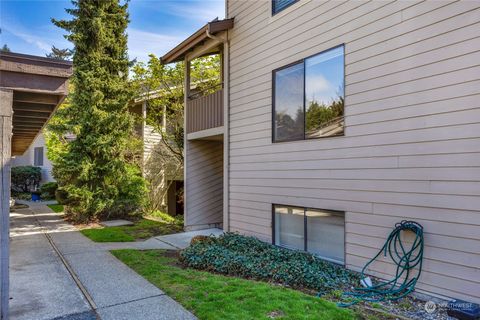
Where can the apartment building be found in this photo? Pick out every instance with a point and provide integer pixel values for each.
(36, 155)
(337, 119)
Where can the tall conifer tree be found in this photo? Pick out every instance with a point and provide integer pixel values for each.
(95, 170)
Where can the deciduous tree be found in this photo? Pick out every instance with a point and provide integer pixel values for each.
(162, 87)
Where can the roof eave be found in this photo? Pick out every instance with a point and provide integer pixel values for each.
(180, 51)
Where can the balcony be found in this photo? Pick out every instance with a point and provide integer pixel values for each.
(205, 112)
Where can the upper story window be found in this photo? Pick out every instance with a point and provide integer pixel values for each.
(279, 5)
(38, 156)
(308, 97)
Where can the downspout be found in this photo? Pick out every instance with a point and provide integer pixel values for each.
(211, 36)
(226, 105)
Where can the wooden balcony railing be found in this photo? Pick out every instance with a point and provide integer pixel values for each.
(205, 112)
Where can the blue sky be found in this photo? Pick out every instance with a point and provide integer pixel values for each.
(155, 25)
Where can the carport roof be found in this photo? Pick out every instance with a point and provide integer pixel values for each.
(39, 85)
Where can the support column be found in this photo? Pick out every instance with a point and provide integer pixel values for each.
(6, 100)
(226, 127)
(144, 123)
(186, 93)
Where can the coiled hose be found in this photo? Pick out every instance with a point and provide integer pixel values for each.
(405, 260)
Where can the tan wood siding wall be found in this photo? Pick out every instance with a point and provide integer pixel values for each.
(151, 140)
(204, 184)
(412, 139)
(205, 112)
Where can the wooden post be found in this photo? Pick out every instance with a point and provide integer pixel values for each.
(6, 100)
(144, 124)
(186, 93)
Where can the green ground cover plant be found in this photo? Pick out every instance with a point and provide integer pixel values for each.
(56, 207)
(160, 215)
(247, 257)
(213, 296)
(141, 229)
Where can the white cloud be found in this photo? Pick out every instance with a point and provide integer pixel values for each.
(142, 43)
(317, 84)
(40, 42)
(200, 11)
(40, 39)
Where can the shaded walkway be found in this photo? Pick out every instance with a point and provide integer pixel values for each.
(43, 288)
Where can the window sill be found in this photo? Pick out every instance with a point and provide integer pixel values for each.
(340, 263)
(309, 140)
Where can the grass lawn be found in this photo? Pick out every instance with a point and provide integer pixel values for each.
(142, 229)
(56, 207)
(213, 296)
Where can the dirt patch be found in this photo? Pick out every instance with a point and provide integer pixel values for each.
(174, 255)
(275, 314)
(171, 254)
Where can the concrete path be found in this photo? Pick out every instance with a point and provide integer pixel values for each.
(171, 241)
(182, 240)
(57, 273)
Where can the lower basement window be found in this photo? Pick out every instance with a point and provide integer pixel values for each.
(318, 231)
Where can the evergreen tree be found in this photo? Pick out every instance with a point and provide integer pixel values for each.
(60, 54)
(4, 48)
(96, 173)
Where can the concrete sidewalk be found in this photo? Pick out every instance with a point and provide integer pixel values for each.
(174, 241)
(88, 284)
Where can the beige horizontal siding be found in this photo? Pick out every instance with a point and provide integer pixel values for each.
(151, 139)
(411, 148)
(204, 183)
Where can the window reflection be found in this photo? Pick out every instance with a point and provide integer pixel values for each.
(324, 94)
(289, 115)
(309, 98)
(289, 227)
(326, 234)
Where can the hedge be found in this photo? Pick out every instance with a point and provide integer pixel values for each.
(237, 255)
(25, 178)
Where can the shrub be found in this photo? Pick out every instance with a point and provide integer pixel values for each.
(61, 196)
(22, 195)
(162, 215)
(199, 238)
(124, 199)
(25, 178)
(248, 257)
(48, 190)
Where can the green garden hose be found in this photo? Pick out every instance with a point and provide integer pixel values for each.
(406, 261)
